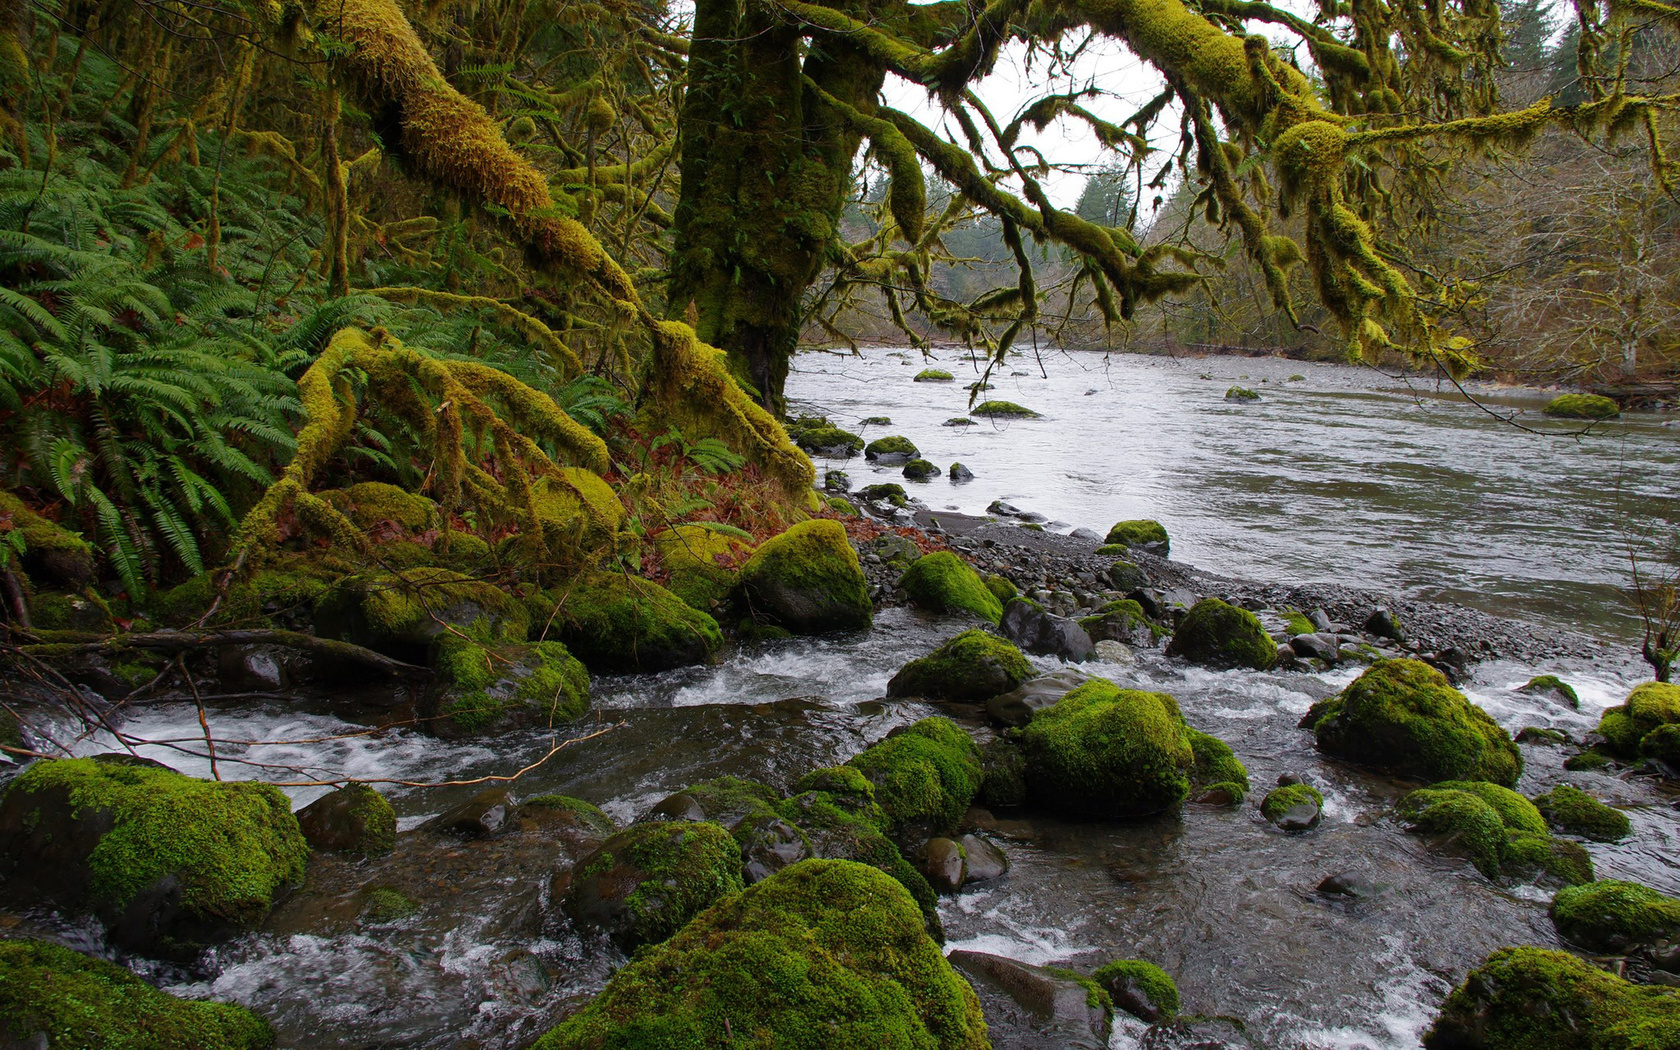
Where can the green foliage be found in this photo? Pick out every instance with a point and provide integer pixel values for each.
(924, 775)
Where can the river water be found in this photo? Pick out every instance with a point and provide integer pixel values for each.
(1341, 476)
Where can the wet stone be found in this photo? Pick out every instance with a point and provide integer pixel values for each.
(481, 816)
(1197, 1033)
(768, 845)
(1056, 1002)
(942, 863)
(986, 862)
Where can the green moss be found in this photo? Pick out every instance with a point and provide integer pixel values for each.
(1122, 620)
(87, 613)
(1216, 764)
(808, 580)
(703, 562)
(1281, 800)
(828, 439)
(1535, 999)
(385, 904)
(1298, 623)
(920, 470)
(1662, 744)
(1241, 393)
(1542, 736)
(924, 775)
(1002, 588)
(1582, 406)
(1573, 811)
(943, 582)
(1096, 996)
(1137, 532)
(824, 953)
(51, 553)
(1551, 683)
(892, 445)
(1614, 916)
(678, 868)
(836, 809)
(1587, 760)
(733, 802)
(1114, 550)
(888, 491)
(369, 816)
(1405, 715)
(974, 666)
(1146, 977)
(372, 504)
(488, 688)
(396, 613)
(1221, 635)
(1515, 812)
(1001, 408)
(587, 814)
(1103, 751)
(1502, 832)
(618, 623)
(1470, 822)
(81, 1003)
(1649, 705)
(229, 847)
(1526, 856)
(934, 375)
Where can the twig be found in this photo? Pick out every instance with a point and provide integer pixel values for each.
(181, 641)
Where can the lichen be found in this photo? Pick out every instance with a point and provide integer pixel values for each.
(942, 582)
(1221, 635)
(1103, 751)
(974, 666)
(924, 775)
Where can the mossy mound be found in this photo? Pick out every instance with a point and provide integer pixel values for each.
(702, 561)
(1404, 715)
(933, 375)
(824, 953)
(920, 470)
(353, 819)
(85, 613)
(1216, 765)
(166, 861)
(1582, 406)
(1649, 706)
(808, 580)
(1008, 409)
(891, 447)
(1535, 999)
(646, 882)
(578, 517)
(1217, 634)
(974, 667)
(1293, 807)
(1552, 685)
(492, 689)
(1140, 988)
(942, 582)
(618, 623)
(1139, 532)
(376, 506)
(1103, 751)
(1615, 917)
(51, 554)
(400, 614)
(1574, 812)
(830, 441)
(1502, 833)
(385, 905)
(1241, 393)
(890, 492)
(1124, 621)
(52, 997)
(924, 775)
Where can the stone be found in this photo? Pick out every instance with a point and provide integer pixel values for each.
(485, 814)
(985, 861)
(943, 864)
(353, 819)
(960, 473)
(646, 882)
(1036, 631)
(808, 581)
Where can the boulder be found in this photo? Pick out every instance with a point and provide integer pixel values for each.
(1003, 783)
(829, 441)
(646, 882)
(1554, 688)
(891, 450)
(51, 554)
(490, 812)
(617, 623)
(920, 470)
(824, 946)
(1126, 577)
(1103, 751)
(942, 582)
(1572, 811)
(944, 864)
(960, 473)
(1620, 918)
(1241, 393)
(1582, 406)
(1649, 707)
(1002, 409)
(1140, 988)
(1220, 635)
(1032, 628)
(837, 481)
(1502, 833)
(1293, 807)
(1123, 621)
(808, 581)
(1403, 715)
(974, 667)
(703, 562)
(353, 819)
(1066, 1006)
(983, 861)
(401, 614)
(565, 816)
(493, 689)
(933, 375)
(168, 863)
(1217, 775)
(924, 776)
(1141, 532)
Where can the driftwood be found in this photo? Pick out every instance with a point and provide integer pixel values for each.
(185, 641)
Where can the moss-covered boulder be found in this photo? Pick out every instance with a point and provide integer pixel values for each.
(492, 689)
(1103, 751)
(823, 954)
(894, 448)
(703, 562)
(168, 863)
(51, 554)
(382, 509)
(1574, 812)
(924, 776)
(808, 580)
(1123, 621)
(1619, 918)
(974, 667)
(1140, 988)
(616, 623)
(1649, 707)
(353, 819)
(1536, 999)
(568, 815)
(1553, 687)
(1404, 715)
(57, 999)
(830, 441)
(933, 375)
(920, 470)
(1006, 409)
(1140, 532)
(578, 515)
(1218, 634)
(401, 614)
(1241, 393)
(1582, 406)
(1216, 768)
(942, 582)
(646, 882)
(1503, 833)
(1293, 807)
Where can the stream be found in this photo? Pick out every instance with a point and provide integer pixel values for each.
(1343, 476)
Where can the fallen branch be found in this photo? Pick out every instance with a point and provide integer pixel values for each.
(182, 641)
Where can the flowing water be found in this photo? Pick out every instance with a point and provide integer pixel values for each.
(1342, 476)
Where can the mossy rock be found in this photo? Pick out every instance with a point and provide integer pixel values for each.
(401, 614)
(578, 516)
(568, 812)
(1582, 406)
(289, 588)
(825, 953)
(52, 997)
(875, 421)
(375, 506)
(168, 863)
(52, 554)
(1007, 409)
(703, 562)
(386, 904)
(616, 623)
(924, 776)
(1574, 812)
(1648, 707)
(808, 581)
(942, 582)
(892, 448)
(1615, 917)
(1139, 532)
(1241, 393)
(1140, 988)
(1002, 588)
(353, 819)
(1537, 999)
(1293, 807)
(1553, 686)
(973, 667)
(890, 492)
(920, 470)
(646, 882)
(1123, 621)
(830, 441)
(933, 375)
(1103, 751)
(85, 613)
(1404, 715)
(1217, 634)
(959, 421)
(1216, 765)
(492, 689)
(1503, 833)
